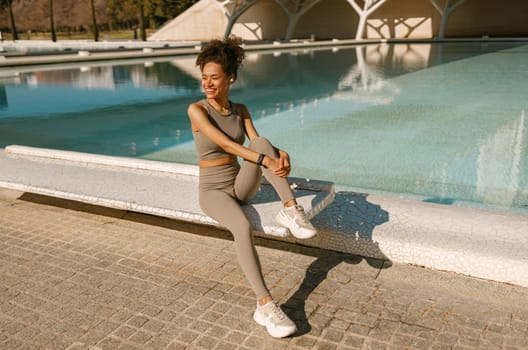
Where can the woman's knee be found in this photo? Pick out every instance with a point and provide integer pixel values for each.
(241, 229)
(261, 144)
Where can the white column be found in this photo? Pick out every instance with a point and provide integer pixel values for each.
(445, 11)
(229, 26)
(369, 6)
(295, 10)
(292, 23)
(233, 9)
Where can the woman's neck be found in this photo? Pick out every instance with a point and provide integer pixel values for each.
(222, 106)
(220, 103)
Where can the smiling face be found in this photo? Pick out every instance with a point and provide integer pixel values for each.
(215, 82)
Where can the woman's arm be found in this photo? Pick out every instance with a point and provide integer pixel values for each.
(251, 132)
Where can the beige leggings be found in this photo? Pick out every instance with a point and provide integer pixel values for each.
(223, 189)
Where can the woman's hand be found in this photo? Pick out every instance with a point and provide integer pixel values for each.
(284, 161)
(280, 166)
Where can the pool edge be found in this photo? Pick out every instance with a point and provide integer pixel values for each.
(474, 242)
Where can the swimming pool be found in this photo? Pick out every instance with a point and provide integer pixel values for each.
(440, 122)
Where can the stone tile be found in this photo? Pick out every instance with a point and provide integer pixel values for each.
(76, 280)
(140, 337)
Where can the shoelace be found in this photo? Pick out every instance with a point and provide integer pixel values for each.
(277, 313)
(301, 214)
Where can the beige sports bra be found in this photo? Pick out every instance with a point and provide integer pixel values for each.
(231, 125)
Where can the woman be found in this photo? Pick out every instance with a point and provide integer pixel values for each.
(220, 127)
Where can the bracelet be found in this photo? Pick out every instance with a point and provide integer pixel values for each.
(260, 158)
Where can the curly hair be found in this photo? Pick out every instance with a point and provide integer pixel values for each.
(228, 53)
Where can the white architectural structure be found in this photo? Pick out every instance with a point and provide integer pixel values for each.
(359, 19)
(445, 11)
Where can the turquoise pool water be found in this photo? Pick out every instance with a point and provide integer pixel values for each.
(443, 123)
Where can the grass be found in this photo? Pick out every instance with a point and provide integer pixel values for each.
(103, 35)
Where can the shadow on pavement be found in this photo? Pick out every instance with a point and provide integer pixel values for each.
(316, 273)
(353, 218)
(350, 215)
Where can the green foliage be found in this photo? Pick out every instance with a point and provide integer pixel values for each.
(79, 15)
(124, 13)
(161, 11)
(5, 3)
(9, 5)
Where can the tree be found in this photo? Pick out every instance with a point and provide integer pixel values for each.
(142, 20)
(121, 13)
(94, 22)
(143, 14)
(52, 23)
(161, 11)
(8, 4)
(64, 15)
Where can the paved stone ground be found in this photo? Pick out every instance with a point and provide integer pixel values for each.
(74, 276)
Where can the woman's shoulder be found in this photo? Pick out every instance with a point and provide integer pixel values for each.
(201, 103)
(197, 106)
(240, 109)
(237, 104)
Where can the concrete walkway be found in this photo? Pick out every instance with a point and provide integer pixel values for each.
(75, 276)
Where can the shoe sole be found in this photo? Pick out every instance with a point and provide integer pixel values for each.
(275, 333)
(285, 222)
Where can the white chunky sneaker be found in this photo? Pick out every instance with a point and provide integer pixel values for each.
(295, 220)
(274, 319)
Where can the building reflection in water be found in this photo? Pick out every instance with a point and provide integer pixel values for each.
(502, 164)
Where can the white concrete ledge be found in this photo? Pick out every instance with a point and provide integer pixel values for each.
(474, 242)
(90, 159)
(158, 188)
